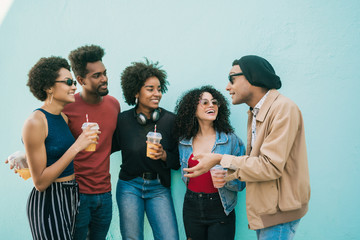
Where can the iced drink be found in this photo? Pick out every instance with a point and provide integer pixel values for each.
(24, 173)
(152, 139)
(217, 175)
(92, 146)
(18, 160)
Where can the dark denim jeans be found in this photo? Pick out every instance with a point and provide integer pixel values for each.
(204, 217)
(94, 217)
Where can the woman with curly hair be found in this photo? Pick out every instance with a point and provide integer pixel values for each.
(144, 182)
(50, 149)
(202, 126)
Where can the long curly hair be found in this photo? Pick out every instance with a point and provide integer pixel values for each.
(186, 123)
(135, 75)
(43, 75)
(81, 56)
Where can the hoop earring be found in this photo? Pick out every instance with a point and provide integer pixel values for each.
(136, 101)
(51, 98)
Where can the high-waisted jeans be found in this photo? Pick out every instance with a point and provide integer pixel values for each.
(137, 196)
(204, 217)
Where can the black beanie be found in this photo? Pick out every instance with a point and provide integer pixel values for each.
(259, 72)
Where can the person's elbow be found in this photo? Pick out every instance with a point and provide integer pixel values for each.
(40, 185)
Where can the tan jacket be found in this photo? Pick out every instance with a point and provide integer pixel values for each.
(276, 168)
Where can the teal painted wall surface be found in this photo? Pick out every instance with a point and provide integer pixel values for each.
(313, 45)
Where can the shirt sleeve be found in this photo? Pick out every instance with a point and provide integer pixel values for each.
(172, 159)
(172, 150)
(238, 149)
(115, 145)
(274, 150)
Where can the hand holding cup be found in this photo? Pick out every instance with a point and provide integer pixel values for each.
(217, 174)
(154, 149)
(18, 161)
(15, 157)
(88, 138)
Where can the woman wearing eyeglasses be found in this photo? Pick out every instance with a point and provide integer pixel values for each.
(202, 125)
(50, 149)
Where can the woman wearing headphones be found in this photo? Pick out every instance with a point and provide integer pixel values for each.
(144, 182)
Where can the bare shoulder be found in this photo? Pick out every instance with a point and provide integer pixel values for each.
(35, 123)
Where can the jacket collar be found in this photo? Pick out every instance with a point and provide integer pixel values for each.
(221, 138)
(273, 95)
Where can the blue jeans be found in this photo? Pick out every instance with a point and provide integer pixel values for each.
(284, 231)
(137, 196)
(94, 217)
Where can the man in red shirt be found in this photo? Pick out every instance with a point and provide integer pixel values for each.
(92, 168)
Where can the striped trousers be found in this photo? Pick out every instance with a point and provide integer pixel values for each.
(52, 213)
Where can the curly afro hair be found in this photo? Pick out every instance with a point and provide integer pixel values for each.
(43, 74)
(135, 75)
(83, 55)
(186, 123)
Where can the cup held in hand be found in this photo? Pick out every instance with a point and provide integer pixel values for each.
(152, 139)
(18, 160)
(92, 146)
(217, 176)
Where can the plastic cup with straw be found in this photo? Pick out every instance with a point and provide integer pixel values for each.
(152, 139)
(91, 147)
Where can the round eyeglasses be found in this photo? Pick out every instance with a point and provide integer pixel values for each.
(206, 102)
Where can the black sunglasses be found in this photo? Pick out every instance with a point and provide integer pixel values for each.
(233, 75)
(68, 82)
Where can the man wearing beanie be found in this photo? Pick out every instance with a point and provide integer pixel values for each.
(275, 167)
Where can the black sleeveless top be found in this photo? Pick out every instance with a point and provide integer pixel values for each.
(58, 141)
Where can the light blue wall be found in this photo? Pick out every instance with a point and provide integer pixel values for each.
(313, 45)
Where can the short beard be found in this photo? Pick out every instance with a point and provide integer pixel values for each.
(102, 93)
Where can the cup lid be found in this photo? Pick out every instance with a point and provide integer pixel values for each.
(217, 166)
(154, 135)
(95, 127)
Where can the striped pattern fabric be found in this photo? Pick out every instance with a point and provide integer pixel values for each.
(52, 213)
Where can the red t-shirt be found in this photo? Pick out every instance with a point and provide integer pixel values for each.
(92, 168)
(202, 183)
